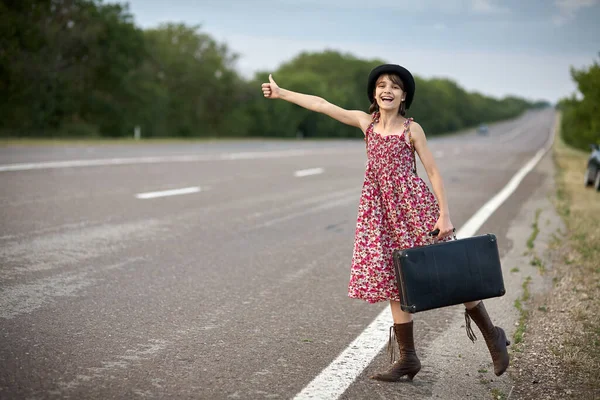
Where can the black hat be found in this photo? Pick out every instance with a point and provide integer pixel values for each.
(403, 73)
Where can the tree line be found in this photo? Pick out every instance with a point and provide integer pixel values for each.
(581, 116)
(82, 68)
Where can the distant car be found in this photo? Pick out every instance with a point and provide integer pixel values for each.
(483, 129)
(592, 173)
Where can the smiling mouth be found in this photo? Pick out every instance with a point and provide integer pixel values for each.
(387, 99)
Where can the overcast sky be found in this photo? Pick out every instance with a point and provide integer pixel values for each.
(497, 47)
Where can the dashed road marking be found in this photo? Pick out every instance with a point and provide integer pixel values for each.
(166, 193)
(308, 172)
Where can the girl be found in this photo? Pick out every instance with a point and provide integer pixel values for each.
(396, 210)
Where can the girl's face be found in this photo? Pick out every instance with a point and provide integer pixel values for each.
(388, 92)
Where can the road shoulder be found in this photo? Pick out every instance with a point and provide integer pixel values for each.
(464, 368)
(559, 355)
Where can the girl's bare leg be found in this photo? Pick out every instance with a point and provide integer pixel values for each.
(399, 316)
(472, 304)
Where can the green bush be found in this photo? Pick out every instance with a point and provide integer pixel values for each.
(581, 117)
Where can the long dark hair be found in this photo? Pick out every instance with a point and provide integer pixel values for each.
(395, 79)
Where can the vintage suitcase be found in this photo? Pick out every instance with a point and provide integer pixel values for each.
(448, 273)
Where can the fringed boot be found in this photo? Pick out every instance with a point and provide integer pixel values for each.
(494, 337)
(409, 363)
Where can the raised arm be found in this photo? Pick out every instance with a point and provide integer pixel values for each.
(359, 119)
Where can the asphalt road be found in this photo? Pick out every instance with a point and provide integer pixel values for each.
(238, 290)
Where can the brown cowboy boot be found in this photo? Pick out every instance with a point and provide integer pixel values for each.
(408, 364)
(495, 338)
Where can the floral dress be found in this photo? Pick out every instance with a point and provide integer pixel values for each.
(396, 211)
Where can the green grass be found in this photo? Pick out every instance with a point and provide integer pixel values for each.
(579, 207)
(538, 263)
(523, 313)
(498, 394)
(536, 230)
(526, 294)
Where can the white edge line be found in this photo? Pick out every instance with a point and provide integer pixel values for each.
(307, 172)
(165, 193)
(333, 381)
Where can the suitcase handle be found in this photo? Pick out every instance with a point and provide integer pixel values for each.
(437, 231)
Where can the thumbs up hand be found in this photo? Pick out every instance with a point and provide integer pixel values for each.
(271, 90)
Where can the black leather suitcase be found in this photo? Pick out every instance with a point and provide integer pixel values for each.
(448, 273)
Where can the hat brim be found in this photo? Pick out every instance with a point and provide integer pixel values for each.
(407, 79)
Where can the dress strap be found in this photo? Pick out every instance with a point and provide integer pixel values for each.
(412, 145)
(407, 129)
(374, 118)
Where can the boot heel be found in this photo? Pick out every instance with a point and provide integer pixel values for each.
(508, 342)
(411, 375)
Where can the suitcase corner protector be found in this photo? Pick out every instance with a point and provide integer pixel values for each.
(409, 308)
(400, 253)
